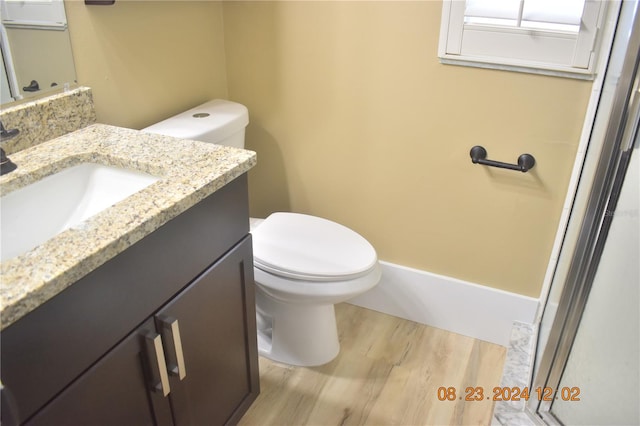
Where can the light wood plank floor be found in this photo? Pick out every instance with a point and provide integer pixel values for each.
(387, 373)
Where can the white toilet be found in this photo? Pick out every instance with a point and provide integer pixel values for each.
(303, 265)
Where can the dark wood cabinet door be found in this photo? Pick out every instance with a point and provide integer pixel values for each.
(112, 392)
(214, 329)
(216, 321)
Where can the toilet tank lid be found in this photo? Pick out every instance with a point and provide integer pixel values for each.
(212, 121)
(297, 245)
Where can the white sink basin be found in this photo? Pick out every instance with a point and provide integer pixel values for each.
(32, 215)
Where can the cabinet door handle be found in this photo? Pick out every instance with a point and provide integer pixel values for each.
(171, 336)
(159, 377)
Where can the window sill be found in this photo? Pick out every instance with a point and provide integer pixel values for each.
(578, 75)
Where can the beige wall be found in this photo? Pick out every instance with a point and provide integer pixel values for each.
(354, 119)
(147, 60)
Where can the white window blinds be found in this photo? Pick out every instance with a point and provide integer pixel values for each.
(546, 14)
(47, 14)
(537, 34)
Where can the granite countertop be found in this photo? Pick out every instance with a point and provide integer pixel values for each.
(189, 171)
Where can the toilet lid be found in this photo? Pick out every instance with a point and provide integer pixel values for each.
(310, 248)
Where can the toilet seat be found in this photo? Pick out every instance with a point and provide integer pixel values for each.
(312, 249)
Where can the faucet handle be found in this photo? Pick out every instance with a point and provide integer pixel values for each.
(6, 165)
(7, 134)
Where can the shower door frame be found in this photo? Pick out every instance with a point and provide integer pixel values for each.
(620, 135)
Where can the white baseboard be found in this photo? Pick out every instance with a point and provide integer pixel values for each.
(460, 307)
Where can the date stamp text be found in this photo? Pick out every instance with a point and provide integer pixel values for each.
(500, 393)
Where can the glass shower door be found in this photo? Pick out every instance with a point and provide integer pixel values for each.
(587, 362)
(599, 385)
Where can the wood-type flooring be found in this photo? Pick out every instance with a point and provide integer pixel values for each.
(389, 371)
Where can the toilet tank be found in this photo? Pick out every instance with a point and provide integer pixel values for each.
(217, 121)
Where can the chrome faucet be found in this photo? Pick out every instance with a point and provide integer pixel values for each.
(6, 165)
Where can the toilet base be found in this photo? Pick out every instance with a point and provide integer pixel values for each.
(303, 335)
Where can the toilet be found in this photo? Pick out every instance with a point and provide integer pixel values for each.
(303, 265)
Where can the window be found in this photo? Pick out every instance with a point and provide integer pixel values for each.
(543, 36)
(47, 14)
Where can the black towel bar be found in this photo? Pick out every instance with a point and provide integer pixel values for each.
(479, 156)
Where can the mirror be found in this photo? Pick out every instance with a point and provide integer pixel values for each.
(36, 49)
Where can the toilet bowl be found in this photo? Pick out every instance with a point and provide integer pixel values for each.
(303, 265)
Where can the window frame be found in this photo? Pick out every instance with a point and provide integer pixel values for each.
(549, 52)
(40, 14)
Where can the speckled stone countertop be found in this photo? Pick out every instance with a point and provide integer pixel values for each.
(189, 171)
(43, 119)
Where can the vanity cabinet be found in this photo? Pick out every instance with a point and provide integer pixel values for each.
(163, 333)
